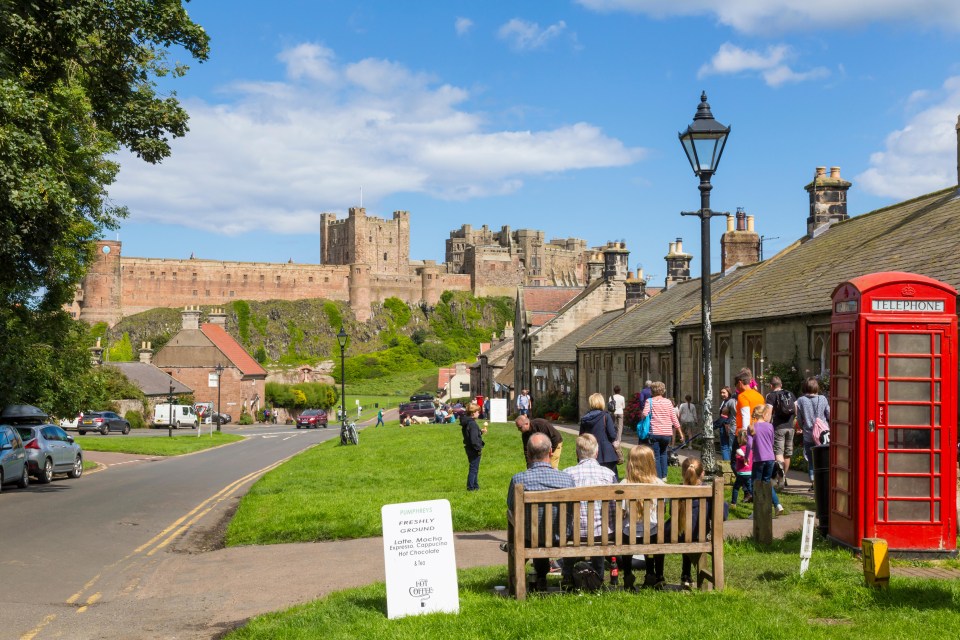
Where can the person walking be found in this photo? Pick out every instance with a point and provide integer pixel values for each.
(781, 408)
(761, 443)
(725, 423)
(472, 443)
(600, 425)
(687, 414)
(663, 424)
(810, 406)
(524, 404)
(617, 403)
(379, 418)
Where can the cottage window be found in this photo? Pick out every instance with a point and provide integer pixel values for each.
(753, 343)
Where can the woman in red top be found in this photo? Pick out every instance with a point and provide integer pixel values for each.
(663, 422)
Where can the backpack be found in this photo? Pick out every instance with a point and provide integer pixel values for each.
(611, 405)
(585, 577)
(785, 403)
(821, 431)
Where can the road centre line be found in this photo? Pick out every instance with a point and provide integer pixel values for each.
(30, 635)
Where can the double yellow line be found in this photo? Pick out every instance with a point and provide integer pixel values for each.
(158, 542)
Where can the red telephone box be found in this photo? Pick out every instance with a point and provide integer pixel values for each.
(893, 409)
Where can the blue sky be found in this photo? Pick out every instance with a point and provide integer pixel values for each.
(561, 116)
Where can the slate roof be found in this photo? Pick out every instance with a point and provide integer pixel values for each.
(149, 379)
(920, 236)
(233, 351)
(648, 324)
(565, 349)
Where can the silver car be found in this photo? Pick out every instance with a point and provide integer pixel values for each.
(13, 458)
(50, 450)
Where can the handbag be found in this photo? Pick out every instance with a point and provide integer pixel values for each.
(643, 427)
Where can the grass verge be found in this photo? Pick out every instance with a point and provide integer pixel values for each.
(765, 598)
(332, 492)
(174, 446)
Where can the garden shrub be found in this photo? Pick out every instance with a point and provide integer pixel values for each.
(135, 418)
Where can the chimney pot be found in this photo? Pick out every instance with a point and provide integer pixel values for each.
(673, 250)
(679, 245)
(730, 222)
(750, 224)
(629, 275)
(834, 172)
(821, 171)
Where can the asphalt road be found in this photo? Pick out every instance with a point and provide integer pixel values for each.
(74, 551)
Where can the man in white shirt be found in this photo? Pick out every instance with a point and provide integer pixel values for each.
(618, 402)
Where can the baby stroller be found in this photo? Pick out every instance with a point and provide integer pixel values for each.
(673, 458)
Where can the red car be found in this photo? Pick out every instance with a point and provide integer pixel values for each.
(312, 418)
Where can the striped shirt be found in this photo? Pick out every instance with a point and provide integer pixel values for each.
(663, 419)
(589, 473)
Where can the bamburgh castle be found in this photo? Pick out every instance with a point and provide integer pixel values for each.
(364, 260)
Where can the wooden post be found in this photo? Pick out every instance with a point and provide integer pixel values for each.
(763, 512)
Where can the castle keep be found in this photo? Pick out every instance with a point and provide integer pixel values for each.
(364, 260)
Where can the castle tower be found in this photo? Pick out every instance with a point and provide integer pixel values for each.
(828, 199)
(615, 256)
(430, 283)
(100, 294)
(678, 264)
(360, 291)
(740, 244)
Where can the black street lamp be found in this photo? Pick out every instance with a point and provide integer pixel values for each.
(219, 370)
(703, 142)
(342, 340)
(170, 399)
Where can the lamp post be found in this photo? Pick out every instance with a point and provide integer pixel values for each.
(703, 142)
(219, 370)
(342, 341)
(170, 400)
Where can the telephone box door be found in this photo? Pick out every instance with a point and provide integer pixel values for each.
(905, 437)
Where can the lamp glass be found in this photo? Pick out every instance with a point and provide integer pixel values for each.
(704, 148)
(342, 338)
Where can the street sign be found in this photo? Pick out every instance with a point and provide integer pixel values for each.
(212, 380)
(419, 559)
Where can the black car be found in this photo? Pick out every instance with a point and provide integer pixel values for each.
(104, 422)
(312, 418)
(417, 397)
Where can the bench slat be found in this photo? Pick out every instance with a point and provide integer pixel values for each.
(619, 550)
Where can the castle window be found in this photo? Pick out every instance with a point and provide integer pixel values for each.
(326, 278)
(278, 279)
(163, 274)
(244, 278)
(173, 275)
(206, 292)
(370, 239)
(232, 294)
(194, 275)
(261, 278)
(194, 293)
(385, 256)
(151, 275)
(228, 277)
(310, 279)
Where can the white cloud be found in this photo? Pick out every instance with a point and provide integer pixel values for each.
(769, 64)
(525, 36)
(921, 157)
(761, 16)
(462, 26)
(280, 153)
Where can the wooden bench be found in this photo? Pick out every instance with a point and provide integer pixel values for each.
(554, 510)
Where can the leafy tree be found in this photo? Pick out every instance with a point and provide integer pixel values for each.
(78, 82)
(122, 351)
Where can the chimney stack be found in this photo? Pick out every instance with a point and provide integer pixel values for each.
(615, 256)
(678, 264)
(190, 317)
(146, 353)
(96, 354)
(636, 289)
(218, 317)
(958, 150)
(828, 199)
(740, 245)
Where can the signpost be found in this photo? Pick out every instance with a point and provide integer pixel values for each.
(419, 559)
(498, 410)
(806, 541)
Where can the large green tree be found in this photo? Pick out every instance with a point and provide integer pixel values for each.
(78, 82)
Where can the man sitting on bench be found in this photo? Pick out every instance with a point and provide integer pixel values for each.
(540, 476)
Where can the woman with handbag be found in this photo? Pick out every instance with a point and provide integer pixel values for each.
(811, 406)
(600, 424)
(663, 422)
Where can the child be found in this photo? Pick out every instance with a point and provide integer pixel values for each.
(743, 467)
(693, 475)
(761, 439)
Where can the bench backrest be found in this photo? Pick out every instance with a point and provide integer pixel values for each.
(558, 510)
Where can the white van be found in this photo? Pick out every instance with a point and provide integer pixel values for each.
(183, 416)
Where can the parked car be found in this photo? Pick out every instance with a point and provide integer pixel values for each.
(417, 397)
(225, 418)
(420, 408)
(66, 423)
(13, 458)
(104, 422)
(181, 415)
(50, 450)
(312, 418)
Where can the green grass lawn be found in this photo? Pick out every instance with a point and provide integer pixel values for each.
(765, 598)
(174, 446)
(400, 384)
(332, 492)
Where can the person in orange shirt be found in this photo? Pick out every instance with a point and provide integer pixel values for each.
(747, 400)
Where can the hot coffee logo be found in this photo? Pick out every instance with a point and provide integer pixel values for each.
(421, 590)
